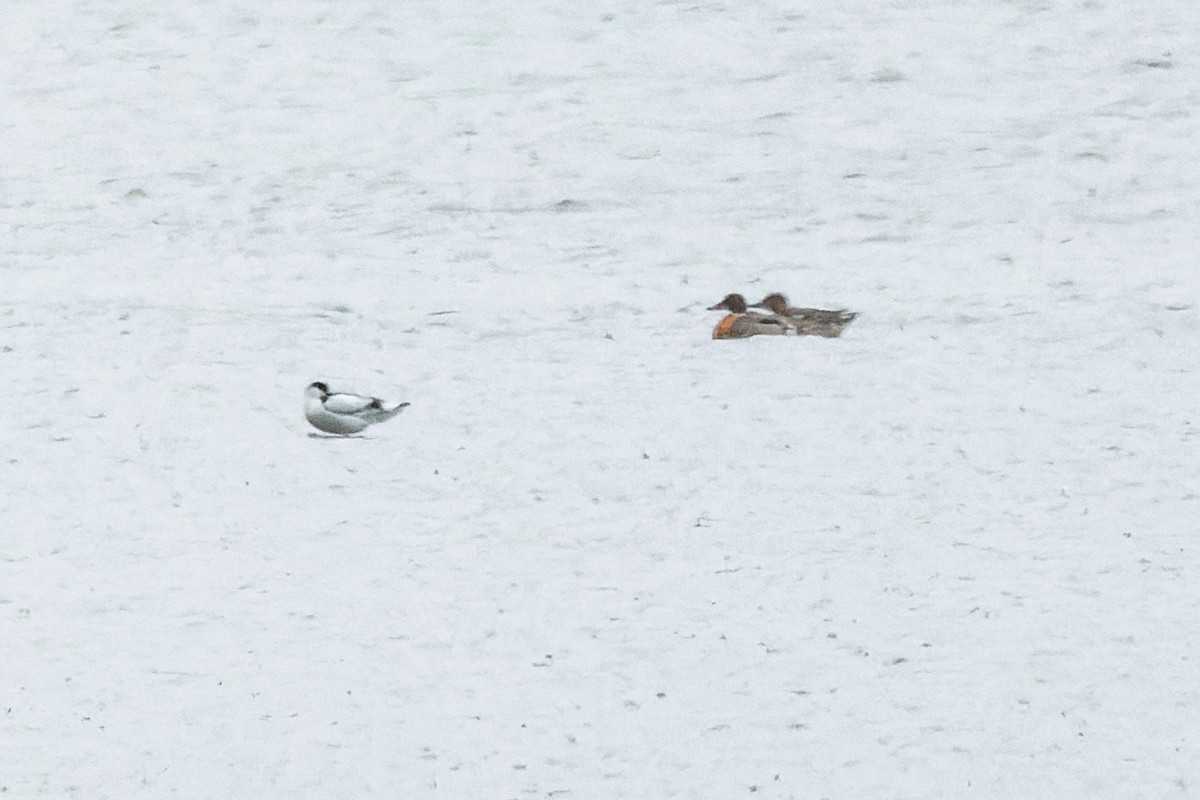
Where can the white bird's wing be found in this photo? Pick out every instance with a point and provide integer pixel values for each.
(348, 403)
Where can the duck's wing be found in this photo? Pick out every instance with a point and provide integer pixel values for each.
(349, 403)
(766, 322)
(829, 327)
(821, 316)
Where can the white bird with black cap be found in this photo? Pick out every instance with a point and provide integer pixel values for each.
(344, 413)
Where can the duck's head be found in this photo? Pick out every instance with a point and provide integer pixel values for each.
(775, 303)
(318, 390)
(732, 302)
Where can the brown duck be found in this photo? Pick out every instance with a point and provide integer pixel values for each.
(807, 321)
(740, 322)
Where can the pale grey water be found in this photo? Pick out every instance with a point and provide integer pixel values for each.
(947, 554)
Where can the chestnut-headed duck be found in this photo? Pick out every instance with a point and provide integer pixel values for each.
(740, 322)
(808, 321)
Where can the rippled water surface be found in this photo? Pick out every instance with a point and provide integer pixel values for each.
(601, 555)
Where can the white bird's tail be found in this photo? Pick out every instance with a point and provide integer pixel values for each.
(387, 411)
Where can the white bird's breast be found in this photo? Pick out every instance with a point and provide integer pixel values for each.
(325, 420)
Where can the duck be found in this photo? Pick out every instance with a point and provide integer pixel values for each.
(808, 321)
(741, 322)
(344, 413)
